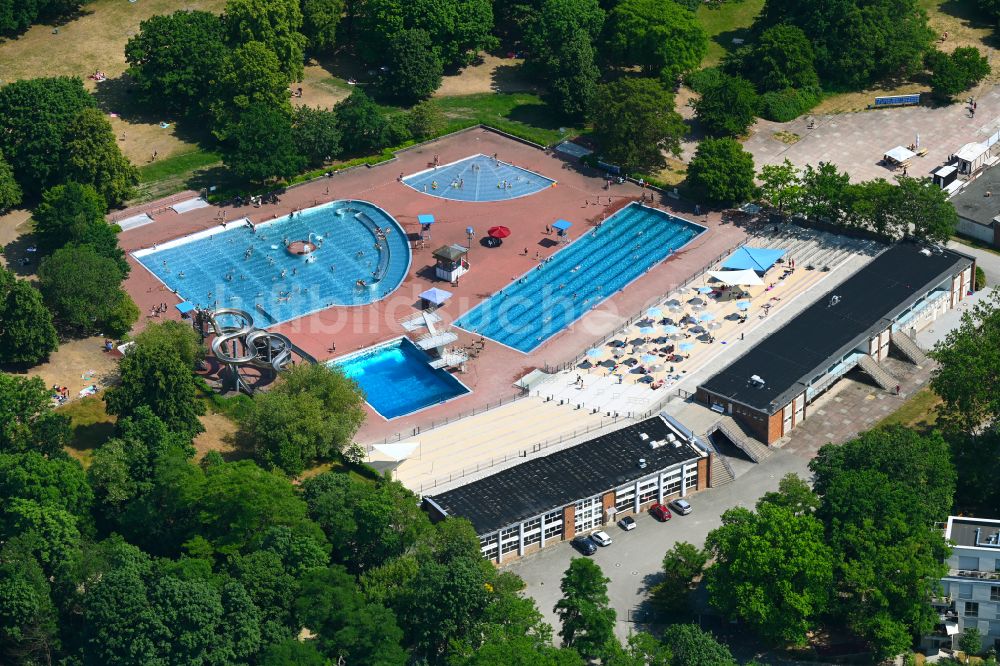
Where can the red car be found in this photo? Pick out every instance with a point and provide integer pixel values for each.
(660, 512)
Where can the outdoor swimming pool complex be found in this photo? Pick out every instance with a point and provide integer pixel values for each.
(397, 379)
(252, 269)
(562, 289)
(478, 178)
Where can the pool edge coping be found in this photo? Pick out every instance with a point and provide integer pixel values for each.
(552, 181)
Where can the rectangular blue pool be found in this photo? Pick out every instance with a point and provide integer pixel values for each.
(397, 379)
(578, 278)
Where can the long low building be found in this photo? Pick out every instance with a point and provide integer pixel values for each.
(580, 489)
(769, 388)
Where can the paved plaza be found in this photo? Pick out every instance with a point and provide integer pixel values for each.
(855, 142)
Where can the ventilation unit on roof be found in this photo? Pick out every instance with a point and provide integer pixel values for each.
(834, 300)
(643, 436)
(925, 251)
(656, 443)
(671, 438)
(757, 381)
(642, 463)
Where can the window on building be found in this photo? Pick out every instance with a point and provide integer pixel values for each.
(692, 480)
(510, 538)
(994, 592)
(996, 565)
(624, 497)
(971, 609)
(532, 531)
(488, 545)
(965, 590)
(672, 484)
(649, 490)
(966, 563)
(588, 514)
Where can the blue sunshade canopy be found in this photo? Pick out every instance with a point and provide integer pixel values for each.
(759, 259)
(436, 296)
(562, 225)
(184, 307)
(425, 218)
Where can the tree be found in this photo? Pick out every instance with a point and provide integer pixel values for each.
(311, 413)
(920, 462)
(276, 24)
(27, 422)
(793, 494)
(52, 532)
(293, 652)
(926, 208)
(875, 205)
(347, 625)
(573, 76)
(27, 335)
(263, 145)
(587, 621)
(780, 185)
(781, 57)
(634, 121)
(154, 375)
(728, 108)
(37, 114)
(970, 642)
(368, 524)
(320, 19)
(17, 16)
(82, 289)
(552, 24)
(856, 42)
(66, 213)
(458, 29)
(964, 376)
(682, 565)
(660, 36)
(825, 193)
(29, 620)
(92, 157)
(955, 72)
(362, 124)
(250, 77)
(414, 70)
(721, 172)
(59, 482)
(641, 649)
(425, 120)
(316, 134)
(693, 647)
(772, 570)
(179, 336)
(10, 191)
(174, 61)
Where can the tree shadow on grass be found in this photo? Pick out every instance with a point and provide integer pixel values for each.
(536, 115)
(509, 79)
(17, 253)
(725, 39)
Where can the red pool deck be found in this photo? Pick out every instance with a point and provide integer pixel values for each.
(490, 376)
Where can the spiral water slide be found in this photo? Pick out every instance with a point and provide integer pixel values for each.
(239, 342)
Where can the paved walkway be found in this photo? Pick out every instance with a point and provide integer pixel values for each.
(855, 142)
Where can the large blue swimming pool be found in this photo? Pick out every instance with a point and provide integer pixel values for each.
(478, 178)
(251, 269)
(576, 279)
(397, 379)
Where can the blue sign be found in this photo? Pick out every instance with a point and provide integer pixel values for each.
(898, 100)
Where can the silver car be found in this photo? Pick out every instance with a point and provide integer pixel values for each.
(680, 506)
(601, 538)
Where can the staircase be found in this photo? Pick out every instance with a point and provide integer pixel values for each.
(720, 473)
(877, 372)
(734, 432)
(908, 348)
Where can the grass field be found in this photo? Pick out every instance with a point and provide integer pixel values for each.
(919, 412)
(731, 20)
(524, 114)
(90, 424)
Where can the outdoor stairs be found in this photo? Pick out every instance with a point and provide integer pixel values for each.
(877, 372)
(735, 433)
(720, 473)
(908, 348)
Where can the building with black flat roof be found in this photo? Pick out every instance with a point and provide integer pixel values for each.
(768, 388)
(579, 489)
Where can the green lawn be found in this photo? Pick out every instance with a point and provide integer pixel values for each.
(174, 174)
(730, 20)
(522, 114)
(919, 412)
(90, 424)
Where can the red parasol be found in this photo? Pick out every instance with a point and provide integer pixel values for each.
(498, 232)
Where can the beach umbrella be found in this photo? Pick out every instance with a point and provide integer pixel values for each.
(714, 326)
(607, 364)
(617, 343)
(637, 341)
(595, 352)
(586, 365)
(743, 305)
(672, 302)
(705, 290)
(646, 379)
(654, 312)
(670, 328)
(686, 346)
(696, 301)
(649, 358)
(618, 353)
(498, 232)
(630, 362)
(679, 335)
(706, 316)
(656, 367)
(646, 330)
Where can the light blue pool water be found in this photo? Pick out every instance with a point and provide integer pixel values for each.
(397, 380)
(478, 178)
(576, 279)
(238, 267)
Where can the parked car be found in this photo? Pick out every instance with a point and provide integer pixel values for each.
(660, 512)
(627, 523)
(601, 538)
(681, 506)
(585, 545)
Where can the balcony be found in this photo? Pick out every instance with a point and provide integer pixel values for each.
(979, 575)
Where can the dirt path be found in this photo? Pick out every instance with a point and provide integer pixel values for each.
(491, 74)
